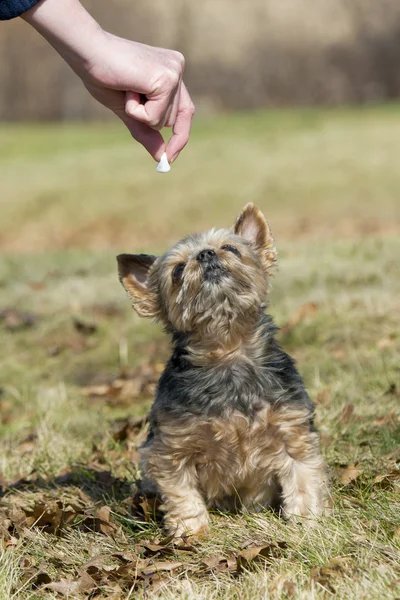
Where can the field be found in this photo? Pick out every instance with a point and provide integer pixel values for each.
(78, 368)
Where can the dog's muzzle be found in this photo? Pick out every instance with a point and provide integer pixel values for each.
(212, 268)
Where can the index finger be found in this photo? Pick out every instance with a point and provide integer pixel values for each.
(182, 125)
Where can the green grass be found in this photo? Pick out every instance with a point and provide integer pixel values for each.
(73, 197)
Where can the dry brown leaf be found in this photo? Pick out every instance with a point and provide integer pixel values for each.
(84, 327)
(100, 521)
(51, 516)
(37, 286)
(148, 549)
(108, 309)
(388, 418)
(347, 414)
(387, 481)
(384, 343)
(349, 474)
(324, 397)
(259, 553)
(393, 456)
(122, 429)
(141, 382)
(392, 390)
(34, 578)
(307, 309)
(15, 320)
(281, 587)
(67, 587)
(220, 564)
(147, 507)
(328, 572)
(158, 566)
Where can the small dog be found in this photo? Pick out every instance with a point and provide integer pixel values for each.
(231, 425)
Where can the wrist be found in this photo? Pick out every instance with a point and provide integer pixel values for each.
(70, 29)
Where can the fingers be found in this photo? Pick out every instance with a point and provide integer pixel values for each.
(182, 125)
(173, 110)
(149, 138)
(156, 109)
(132, 101)
(144, 128)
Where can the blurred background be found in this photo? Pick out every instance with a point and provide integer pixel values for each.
(240, 55)
(272, 83)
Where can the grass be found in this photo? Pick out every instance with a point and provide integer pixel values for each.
(73, 197)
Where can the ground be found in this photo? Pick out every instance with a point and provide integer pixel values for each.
(78, 368)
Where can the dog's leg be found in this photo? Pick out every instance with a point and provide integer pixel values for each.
(183, 504)
(299, 466)
(302, 487)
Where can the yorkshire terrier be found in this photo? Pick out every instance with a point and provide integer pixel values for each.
(232, 425)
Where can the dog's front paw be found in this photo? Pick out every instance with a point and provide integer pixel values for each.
(189, 527)
(302, 506)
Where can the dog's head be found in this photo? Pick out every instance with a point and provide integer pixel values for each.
(207, 281)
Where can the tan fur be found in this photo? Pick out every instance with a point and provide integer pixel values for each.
(235, 460)
(235, 463)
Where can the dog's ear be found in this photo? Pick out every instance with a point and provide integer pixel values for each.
(253, 226)
(133, 272)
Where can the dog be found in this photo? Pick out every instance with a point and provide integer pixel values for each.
(232, 426)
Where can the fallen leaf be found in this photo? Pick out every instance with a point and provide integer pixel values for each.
(281, 587)
(122, 429)
(392, 390)
(15, 320)
(145, 506)
(347, 414)
(324, 397)
(67, 587)
(331, 570)
(349, 474)
(37, 286)
(219, 564)
(84, 327)
(385, 342)
(148, 549)
(387, 481)
(158, 566)
(309, 308)
(259, 553)
(140, 382)
(34, 578)
(100, 521)
(388, 418)
(108, 310)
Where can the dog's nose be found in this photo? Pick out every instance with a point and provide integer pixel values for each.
(206, 256)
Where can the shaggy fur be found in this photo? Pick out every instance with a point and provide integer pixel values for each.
(231, 425)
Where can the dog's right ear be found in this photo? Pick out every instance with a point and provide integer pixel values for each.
(134, 272)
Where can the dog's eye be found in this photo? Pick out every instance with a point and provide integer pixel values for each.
(178, 272)
(231, 249)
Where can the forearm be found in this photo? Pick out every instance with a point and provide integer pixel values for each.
(69, 28)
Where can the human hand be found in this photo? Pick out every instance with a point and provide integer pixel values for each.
(141, 84)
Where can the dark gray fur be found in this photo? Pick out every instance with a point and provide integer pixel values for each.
(215, 391)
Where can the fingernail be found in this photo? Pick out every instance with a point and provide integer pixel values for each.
(175, 156)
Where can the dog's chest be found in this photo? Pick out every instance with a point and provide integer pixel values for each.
(232, 451)
(241, 387)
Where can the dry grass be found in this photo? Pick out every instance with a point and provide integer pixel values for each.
(336, 297)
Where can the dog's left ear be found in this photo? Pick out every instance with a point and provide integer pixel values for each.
(253, 226)
(134, 272)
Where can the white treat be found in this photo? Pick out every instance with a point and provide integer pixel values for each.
(163, 166)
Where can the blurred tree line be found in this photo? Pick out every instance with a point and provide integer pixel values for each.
(240, 54)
